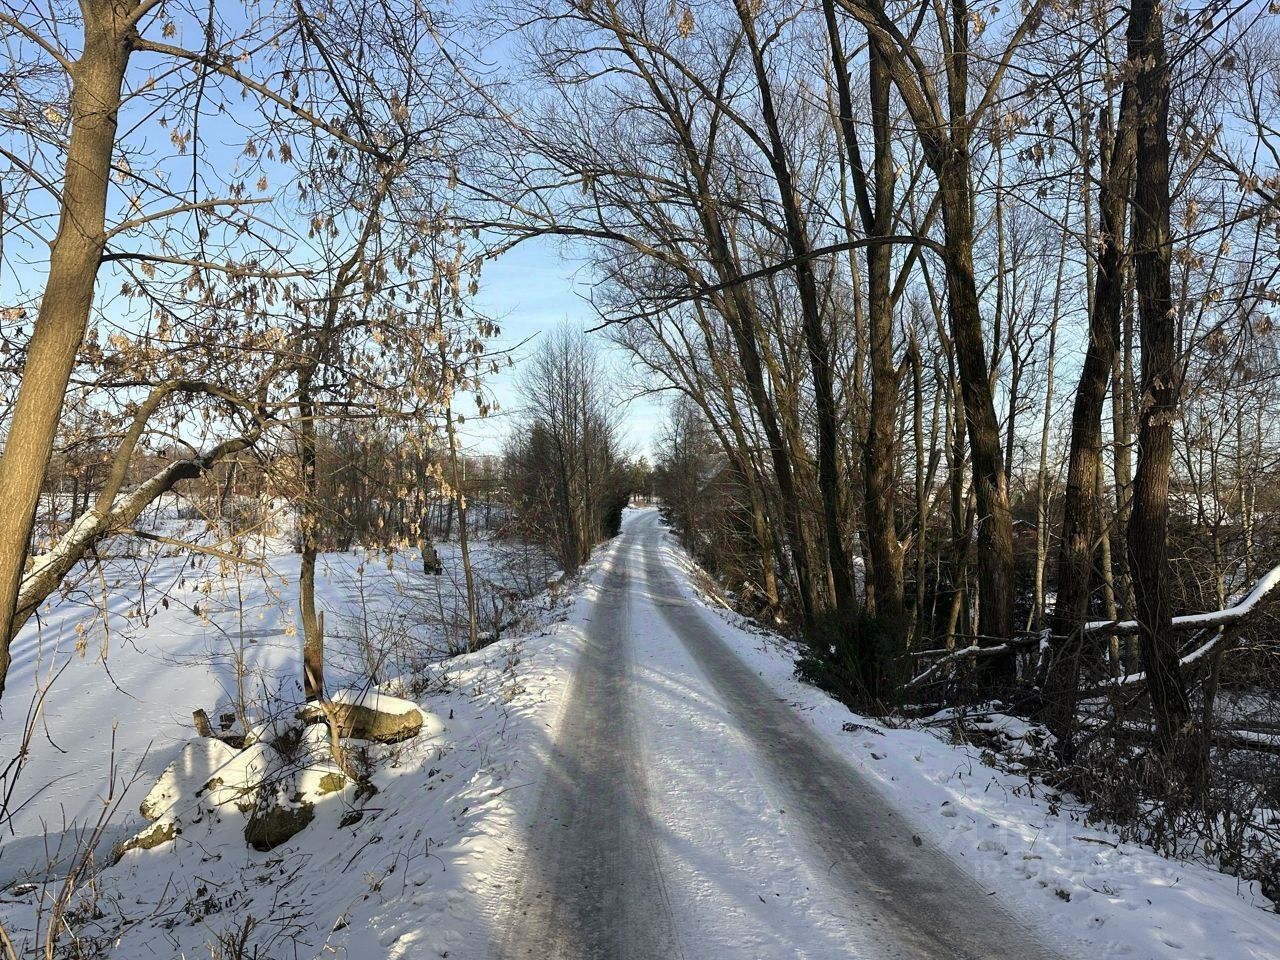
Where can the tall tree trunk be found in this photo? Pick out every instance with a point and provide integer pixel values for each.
(1106, 564)
(737, 313)
(1080, 502)
(946, 130)
(738, 309)
(962, 514)
(1042, 475)
(740, 448)
(63, 316)
(922, 481)
(309, 522)
(1122, 417)
(991, 489)
(464, 542)
(879, 450)
(1161, 379)
(817, 347)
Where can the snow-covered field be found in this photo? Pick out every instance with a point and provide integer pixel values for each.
(394, 876)
(112, 685)
(424, 870)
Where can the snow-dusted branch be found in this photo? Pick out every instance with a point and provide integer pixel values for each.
(48, 570)
(973, 650)
(1266, 588)
(1262, 590)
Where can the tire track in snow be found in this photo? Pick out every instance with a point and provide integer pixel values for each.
(591, 886)
(911, 900)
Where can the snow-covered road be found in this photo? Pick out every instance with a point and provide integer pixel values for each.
(687, 811)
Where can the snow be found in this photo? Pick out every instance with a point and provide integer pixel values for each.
(423, 867)
(124, 677)
(394, 882)
(198, 763)
(1261, 591)
(85, 522)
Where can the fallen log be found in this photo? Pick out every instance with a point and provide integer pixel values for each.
(1219, 640)
(1222, 739)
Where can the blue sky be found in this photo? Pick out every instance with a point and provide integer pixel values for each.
(534, 288)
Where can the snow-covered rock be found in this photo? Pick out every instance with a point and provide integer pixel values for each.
(361, 715)
(160, 832)
(198, 763)
(281, 812)
(238, 780)
(275, 784)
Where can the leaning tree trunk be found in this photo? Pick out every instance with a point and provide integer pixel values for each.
(760, 529)
(879, 451)
(1160, 379)
(1084, 461)
(740, 315)
(819, 354)
(740, 318)
(63, 316)
(991, 490)
(946, 127)
(740, 450)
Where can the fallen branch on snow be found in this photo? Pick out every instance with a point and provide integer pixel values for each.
(973, 650)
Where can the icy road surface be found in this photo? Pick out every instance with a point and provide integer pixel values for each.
(687, 811)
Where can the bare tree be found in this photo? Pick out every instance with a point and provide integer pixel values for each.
(160, 232)
(563, 465)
